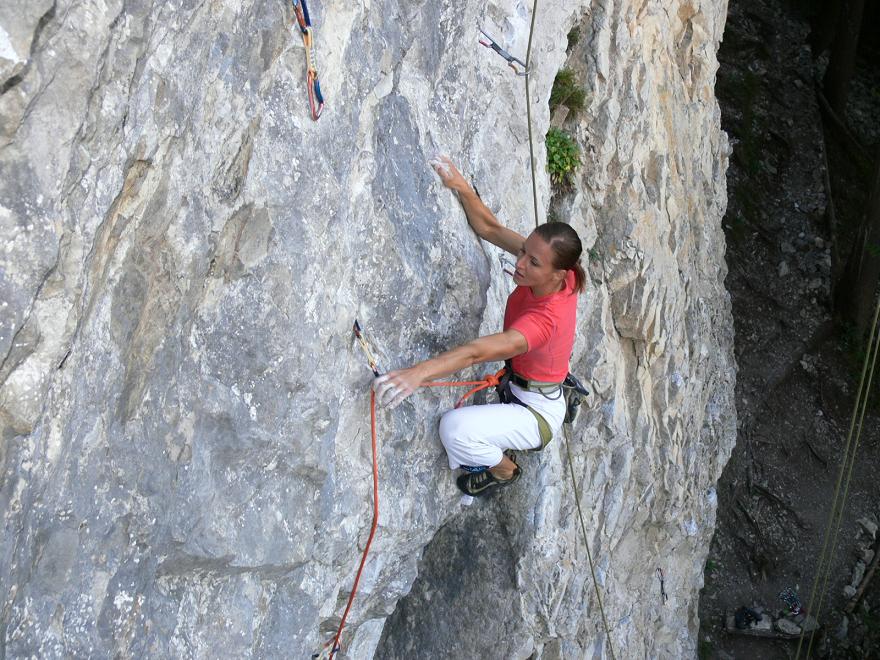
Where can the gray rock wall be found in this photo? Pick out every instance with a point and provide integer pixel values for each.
(185, 433)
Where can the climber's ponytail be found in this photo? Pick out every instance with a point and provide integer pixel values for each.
(580, 277)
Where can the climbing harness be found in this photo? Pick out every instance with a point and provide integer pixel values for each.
(570, 389)
(316, 99)
(512, 61)
(662, 579)
(551, 391)
(574, 393)
(838, 503)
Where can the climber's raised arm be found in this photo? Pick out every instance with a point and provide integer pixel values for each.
(481, 219)
(395, 386)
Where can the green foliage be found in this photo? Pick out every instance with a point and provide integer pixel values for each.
(574, 35)
(563, 156)
(566, 91)
(705, 650)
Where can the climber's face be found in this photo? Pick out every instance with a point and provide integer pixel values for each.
(534, 266)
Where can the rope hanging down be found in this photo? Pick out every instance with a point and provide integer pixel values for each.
(838, 503)
(513, 63)
(331, 648)
(566, 431)
(316, 99)
(529, 114)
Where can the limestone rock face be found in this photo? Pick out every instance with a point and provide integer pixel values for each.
(185, 444)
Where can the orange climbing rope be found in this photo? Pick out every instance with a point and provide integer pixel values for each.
(491, 380)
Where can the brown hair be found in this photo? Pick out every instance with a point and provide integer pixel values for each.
(566, 246)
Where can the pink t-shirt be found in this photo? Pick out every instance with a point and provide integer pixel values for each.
(548, 324)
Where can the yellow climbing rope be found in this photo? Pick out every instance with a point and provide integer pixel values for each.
(566, 427)
(529, 112)
(838, 503)
(515, 64)
(577, 500)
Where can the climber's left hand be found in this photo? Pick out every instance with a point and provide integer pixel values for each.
(395, 386)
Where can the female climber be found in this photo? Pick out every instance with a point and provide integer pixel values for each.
(539, 329)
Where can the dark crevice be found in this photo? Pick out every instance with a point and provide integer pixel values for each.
(14, 81)
(466, 593)
(17, 79)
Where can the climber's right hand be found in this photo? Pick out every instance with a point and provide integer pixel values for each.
(449, 174)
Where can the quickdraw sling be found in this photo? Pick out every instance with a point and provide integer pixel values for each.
(316, 99)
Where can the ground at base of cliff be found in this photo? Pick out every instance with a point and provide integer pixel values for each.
(798, 376)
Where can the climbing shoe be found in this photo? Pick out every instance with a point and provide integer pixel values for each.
(483, 483)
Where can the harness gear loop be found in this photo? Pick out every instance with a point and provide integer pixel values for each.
(316, 99)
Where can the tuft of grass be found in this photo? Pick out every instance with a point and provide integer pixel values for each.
(574, 35)
(563, 156)
(568, 92)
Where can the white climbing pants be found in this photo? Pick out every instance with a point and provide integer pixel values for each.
(478, 435)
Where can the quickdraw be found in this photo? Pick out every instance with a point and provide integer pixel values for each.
(316, 99)
(365, 345)
(662, 579)
(512, 61)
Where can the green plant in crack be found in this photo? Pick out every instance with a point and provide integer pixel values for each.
(568, 92)
(563, 156)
